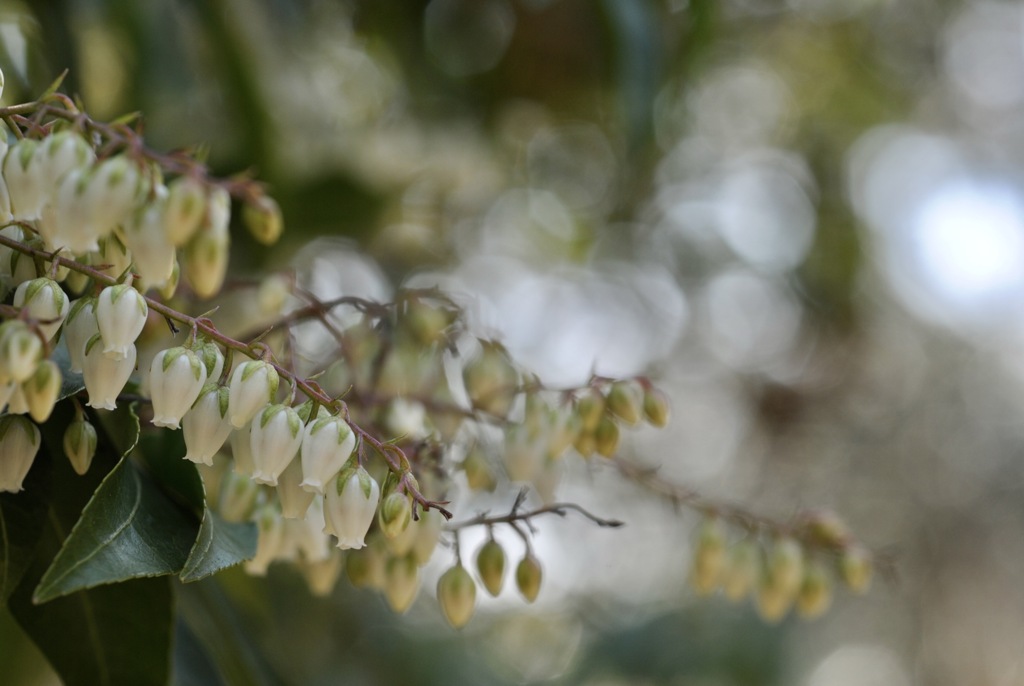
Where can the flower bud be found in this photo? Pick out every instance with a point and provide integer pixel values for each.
(590, 409)
(456, 593)
(826, 528)
(66, 220)
(205, 427)
(349, 506)
(327, 444)
(490, 565)
(105, 376)
(17, 403)
(479, 473)
(184, 210)
(491, 380)
(80, 445)
(401, 583)
(772, 601)
(263, 219)
(322, 575)
(116, 254)
(365, 568)
(742, 571)
(19, 443)
(213, 359)
(45, 302)
(58, 154)
(522, 456)
(295, 500)
(206, 253)
(176, 377)
(656, 407)
(786, 564)
(121, 313)
(79, 327)
(273, 293)
(428, 534)
(709, 557)
(151, 251)
(606, 437)
(168, 290)
(20, 351)
(274, 439)
(856, 567)
(7, 389)
(253, 385)
(41, 390)
(528, 577)
(815, 593)
(585, 443)
(395, 514)
(238, 496)
(625, 402)
(406, 418)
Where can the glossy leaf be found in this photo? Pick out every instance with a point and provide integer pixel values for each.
(71, 382)
(220, 545)
(21, 521)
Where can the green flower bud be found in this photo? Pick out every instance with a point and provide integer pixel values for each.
(491, 380)
(401, 583)
(624, 401)
(709, 557)
(456, 592)
(815, 593)
(395, 514)
(41, 390)
(490, 565)
(528, 577)
(856, 566)
(656, 408)
(590, 409)
(479, 472)
(742, 571)
(585, 443)
(263, 218)
(606, 437)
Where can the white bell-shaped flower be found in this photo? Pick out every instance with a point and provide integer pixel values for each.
(176, 377)
(66, 220)
(121, 313)
(241, 450)
(41, 390)
(24, 183)
(19, 443)
(112, 192)
(253, 385)
(45, 301)
(21, 349)
(15, 233)
(326, 445)
(271, 538)
(79, 326)
(206, 426)
(7, 390)
(322, 576)
(312, 543)
(209, 352)
(349, 506)
(295, 500)
(116, 254)
(238, 497)
(105, 376)
(18, 403)
(58, 154)
(274, 439)
(186, 207)
(152, 252)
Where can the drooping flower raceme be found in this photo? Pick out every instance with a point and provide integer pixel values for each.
(327, 444)
(121, 313)
(176, 377)
(253, 385)
(19, 443)
(206, 425)
(349, 506)
(274, 440)
(105, 376)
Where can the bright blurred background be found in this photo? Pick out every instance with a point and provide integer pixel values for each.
(803, 218)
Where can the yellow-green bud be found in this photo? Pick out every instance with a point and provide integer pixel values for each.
(786, 564)
(585, 443)
(80, 445)
(491, 380)
(41, 390)
(490, 565)
(815, 594)
(395, 514)
(857, 567)
(401, 582)
(456, 592)
(479, 472)
(263, 219)
(624, 401)
(742, 571)
(656, 407)
(365, 567)
(590, 409)
(709, 557)
(528, 577)
(773, 602)
(424, 322)
(606, 437)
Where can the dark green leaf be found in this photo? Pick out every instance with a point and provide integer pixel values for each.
(129, 529)
(220, 544)
(161, 455)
